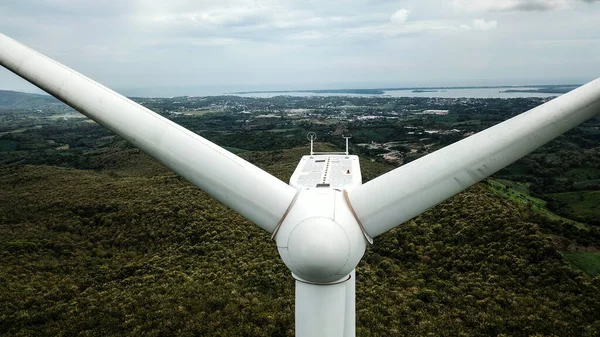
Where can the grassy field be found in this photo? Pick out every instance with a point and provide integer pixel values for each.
(202, 112)
(519, 192)
(587, 262)
(67, 116)
(469, 122)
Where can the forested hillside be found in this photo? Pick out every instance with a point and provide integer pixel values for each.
(19, 100)
(128, 248)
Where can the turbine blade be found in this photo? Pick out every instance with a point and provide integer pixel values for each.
(325, 310)
(255, 194)
(397, 196)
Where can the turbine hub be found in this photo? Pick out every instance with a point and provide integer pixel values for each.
(319, 250)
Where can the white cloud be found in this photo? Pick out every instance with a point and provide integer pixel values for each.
(400, 16)
(510, 5)
(216, 42)
(481, 24)
(216, 17)
(309, 35)
(287, 22)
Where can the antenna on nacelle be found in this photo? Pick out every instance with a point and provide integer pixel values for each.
(311, 136)
(346, 138)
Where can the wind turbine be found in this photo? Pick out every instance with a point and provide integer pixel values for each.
(324, 219)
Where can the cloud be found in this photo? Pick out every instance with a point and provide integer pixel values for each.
(224, 17)
(261, 19)
(268, 21)
(392, 30)
(512, 5)
(271, 41)
(309, 35)
(480, 24)
(295, 23)
(400, 16)
(484, 25)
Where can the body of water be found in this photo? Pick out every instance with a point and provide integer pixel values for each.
(443, 93)
(470, 93)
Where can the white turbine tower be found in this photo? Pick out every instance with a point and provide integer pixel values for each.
(324, 219)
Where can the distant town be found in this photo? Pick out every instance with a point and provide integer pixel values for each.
(395, 129)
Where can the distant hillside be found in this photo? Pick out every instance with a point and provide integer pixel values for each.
(21, 100)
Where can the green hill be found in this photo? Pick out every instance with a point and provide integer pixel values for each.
(21, 100)
(130, 249)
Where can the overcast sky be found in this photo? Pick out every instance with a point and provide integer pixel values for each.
(211, 46)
